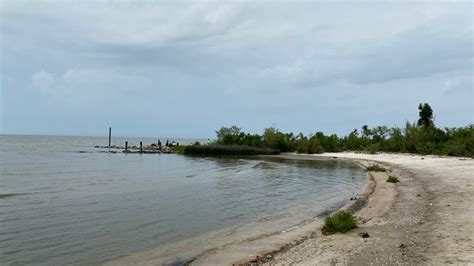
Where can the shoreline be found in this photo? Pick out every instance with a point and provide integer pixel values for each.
(360, 202)
(424, 219)
(361, 199)
(249, 238)
(272, 246)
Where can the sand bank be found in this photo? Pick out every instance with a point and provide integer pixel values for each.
(427, 218)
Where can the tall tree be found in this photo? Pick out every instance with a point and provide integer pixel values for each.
(229, 135)
(426, 115)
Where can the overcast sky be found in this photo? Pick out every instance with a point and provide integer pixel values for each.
(185, 69)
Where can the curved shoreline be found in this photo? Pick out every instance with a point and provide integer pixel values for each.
(281, 242)
(361, 201)
(362, 198)
(229, 244)
(424, 219)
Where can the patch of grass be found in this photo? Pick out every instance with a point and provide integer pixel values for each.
(179, 149)
(339, 222)
(375, 168)
(392, 179)
(225, 150)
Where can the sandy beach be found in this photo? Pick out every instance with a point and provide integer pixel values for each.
(426, 218)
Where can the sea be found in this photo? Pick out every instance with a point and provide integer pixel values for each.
(63, 201)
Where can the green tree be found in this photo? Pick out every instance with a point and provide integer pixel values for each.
(277, 140)
(366, 131)
(229, 135)
(426, 115)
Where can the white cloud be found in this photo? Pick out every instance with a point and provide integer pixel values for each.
(218, 14)
(44, 81)
(88, 85)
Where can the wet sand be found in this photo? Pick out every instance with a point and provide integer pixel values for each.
(426, 218)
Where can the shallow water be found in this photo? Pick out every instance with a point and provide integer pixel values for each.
(59, 206)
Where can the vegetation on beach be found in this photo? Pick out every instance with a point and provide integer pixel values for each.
(375, 168)
(392, 179)
(224, 150)
(421, 137)
(339, 222)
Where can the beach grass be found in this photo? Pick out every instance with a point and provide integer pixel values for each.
(339, 222)
(392, 179)
(225, 150)
(375, 168)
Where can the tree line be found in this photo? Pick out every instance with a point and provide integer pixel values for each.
(421, 137)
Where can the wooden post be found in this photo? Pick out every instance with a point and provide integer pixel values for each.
(110, 136)
(141, 147)
(126, 146)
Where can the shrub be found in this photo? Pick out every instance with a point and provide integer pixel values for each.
(338, 222)
(375, 168)
(373, 148)
(302, 146)
(392, 179)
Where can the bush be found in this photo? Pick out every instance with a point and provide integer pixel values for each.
(375, 168)
(373, 148)
(225, 150)
(302, 146)
(338, 222)
(392, 179)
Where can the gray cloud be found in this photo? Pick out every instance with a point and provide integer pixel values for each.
(273, 60)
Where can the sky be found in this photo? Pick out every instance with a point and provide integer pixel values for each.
(186, 68)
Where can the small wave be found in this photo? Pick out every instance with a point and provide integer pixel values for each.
(9, 195)
(7, 239)
(235, 216)
(160, 234)
(42, 188)
(141, 226)
(37, 202)
(175, 262)
(83, 151)
(9, 252)
(259, 165)
(108, 210)
(271, 218)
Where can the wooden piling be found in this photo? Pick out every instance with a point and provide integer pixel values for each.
(126, 146)
(110, 136)
(141, 147)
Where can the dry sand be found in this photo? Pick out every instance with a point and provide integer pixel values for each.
(427, 218)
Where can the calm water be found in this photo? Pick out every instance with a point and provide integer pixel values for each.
(59, 206)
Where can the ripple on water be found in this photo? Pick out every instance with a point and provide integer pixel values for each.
(98, 207)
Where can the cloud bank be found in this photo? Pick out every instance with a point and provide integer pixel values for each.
(177, 68)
